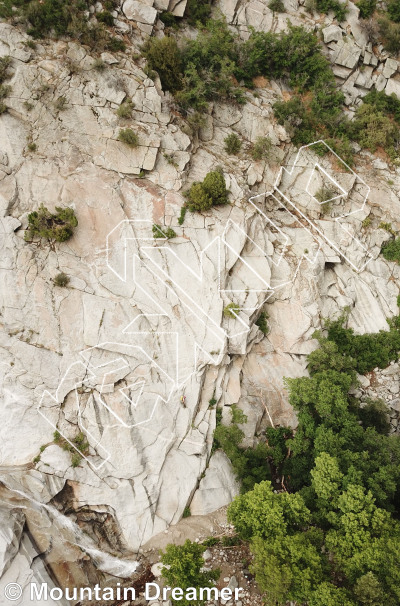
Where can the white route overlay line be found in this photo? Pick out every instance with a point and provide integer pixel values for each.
(144, 257)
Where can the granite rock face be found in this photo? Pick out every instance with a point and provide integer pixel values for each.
(134, 349)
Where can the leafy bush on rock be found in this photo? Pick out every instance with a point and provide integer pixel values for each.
(53, 227)
(211, 192)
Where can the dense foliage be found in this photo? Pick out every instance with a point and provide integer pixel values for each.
(367, 8)
(217, 65)
(393, 9)
(232, 144)
(368, 351)
(60, 18)
(338, 8)
(333, 536)
(183, 568)
(252, 465)
(198, 11)
(164, 56)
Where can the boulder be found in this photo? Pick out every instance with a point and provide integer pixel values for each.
(177, 7)
(218, 487)
(332, 33)
(391, 67)
(393, 86)
(347, 53)
(140, 12)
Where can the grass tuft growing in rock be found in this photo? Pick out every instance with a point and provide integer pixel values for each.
(61, 280)
(129, 137)
(231, 310)
(125, 109)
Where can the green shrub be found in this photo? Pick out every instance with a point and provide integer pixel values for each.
(106, 18)
(163, 232)
(56, 16)
(5, 90)
(186, 512)
(196, 121)
(231, 541)
(393, 10)
(231, 310)
(169, 19)
(262, 322)
(111, 5)
(125, 109)
(375, 414)
(390, 33)
(81, 443)
(261, 148)
(48, 17)
(182, 215)
(6, 8)
(212, 191)
(210, 542)
(209, 66)
(367, 8)
(294, 55)
(164, 57)
(310, 6)
(391, 250)
(127, 136)
(339, 9)
(116, 45)
(277, 6)
(331, 535)
(61, 279)
(215, 187)
(368, 350)
(373, 129)
(297, 120)
(232, 144)
(75, 459)
(386, 104)
(212, 402)
(387, 227)
(198, 10)
(251, 465)
(198, 200)
(5, 64)
(53, 227)
(185, 570)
